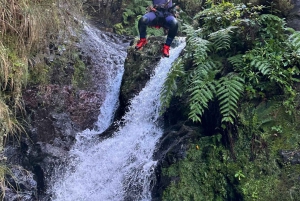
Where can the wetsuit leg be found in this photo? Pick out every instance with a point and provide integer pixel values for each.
(147, 19)
(172, 25)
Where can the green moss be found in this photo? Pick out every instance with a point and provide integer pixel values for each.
(79, 76)
(39, 74)
(139, 66)
(266, 130)
(200, 176)
(66, 69)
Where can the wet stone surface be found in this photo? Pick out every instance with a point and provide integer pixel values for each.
(293, 18)
(290, 156)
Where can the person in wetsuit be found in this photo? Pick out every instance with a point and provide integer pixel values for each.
(159, 15)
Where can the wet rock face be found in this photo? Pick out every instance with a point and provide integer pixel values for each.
(56, 114)
(44, 148)
(290, 156)
(293, 18)
(22, 180)
(81, 105)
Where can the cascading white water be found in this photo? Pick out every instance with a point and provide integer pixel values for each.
(120, 167)
(110, 56)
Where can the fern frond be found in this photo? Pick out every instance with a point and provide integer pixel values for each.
(140, 10)
(205, 66)
(201, 88)
(202, 93)
(199, 47)
(170, 86)
(294, 39)
(191, 32)
(236, 61)
(202, 71)
(228, 92)
(128, 12)
(269, 17)
(289, 30)
(262, 65)
(221, 39)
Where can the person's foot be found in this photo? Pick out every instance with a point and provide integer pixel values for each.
(165, 50)
(141, 43)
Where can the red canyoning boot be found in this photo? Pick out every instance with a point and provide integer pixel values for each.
(165, 50)
(141, 43)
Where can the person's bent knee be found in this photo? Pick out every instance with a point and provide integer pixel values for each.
(173, 24)
(143, 20)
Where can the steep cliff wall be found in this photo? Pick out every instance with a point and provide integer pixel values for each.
(104, 13)
(293, 18)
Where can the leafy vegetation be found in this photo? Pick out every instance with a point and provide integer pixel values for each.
(240, 65)
(209, 172)
(236, 50)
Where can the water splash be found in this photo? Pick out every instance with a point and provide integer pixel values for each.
(121, 167)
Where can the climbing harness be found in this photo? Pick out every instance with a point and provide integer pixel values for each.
(161, 11)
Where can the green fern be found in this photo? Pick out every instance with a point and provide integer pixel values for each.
(140, 9)
(262, 58)
(262, 65)
(236, 61)
(190, 31)
(155, 32)
(169, 88)
(221, 39)
(228, 91)
(206, 66)
(127, 13)
(200, 48)
(135, 30)
(294, 39)
(202, 70)
(119, 28)
(202, 89)
(267, 18)
(133, 10)
(202, 93)
(196, 44)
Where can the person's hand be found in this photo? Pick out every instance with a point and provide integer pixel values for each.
(151, 8)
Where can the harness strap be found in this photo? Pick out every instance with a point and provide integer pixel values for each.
(165, 5)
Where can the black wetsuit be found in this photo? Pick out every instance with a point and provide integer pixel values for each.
(162, 17)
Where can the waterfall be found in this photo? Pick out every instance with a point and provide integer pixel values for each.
(120, 167)
(107, 52)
